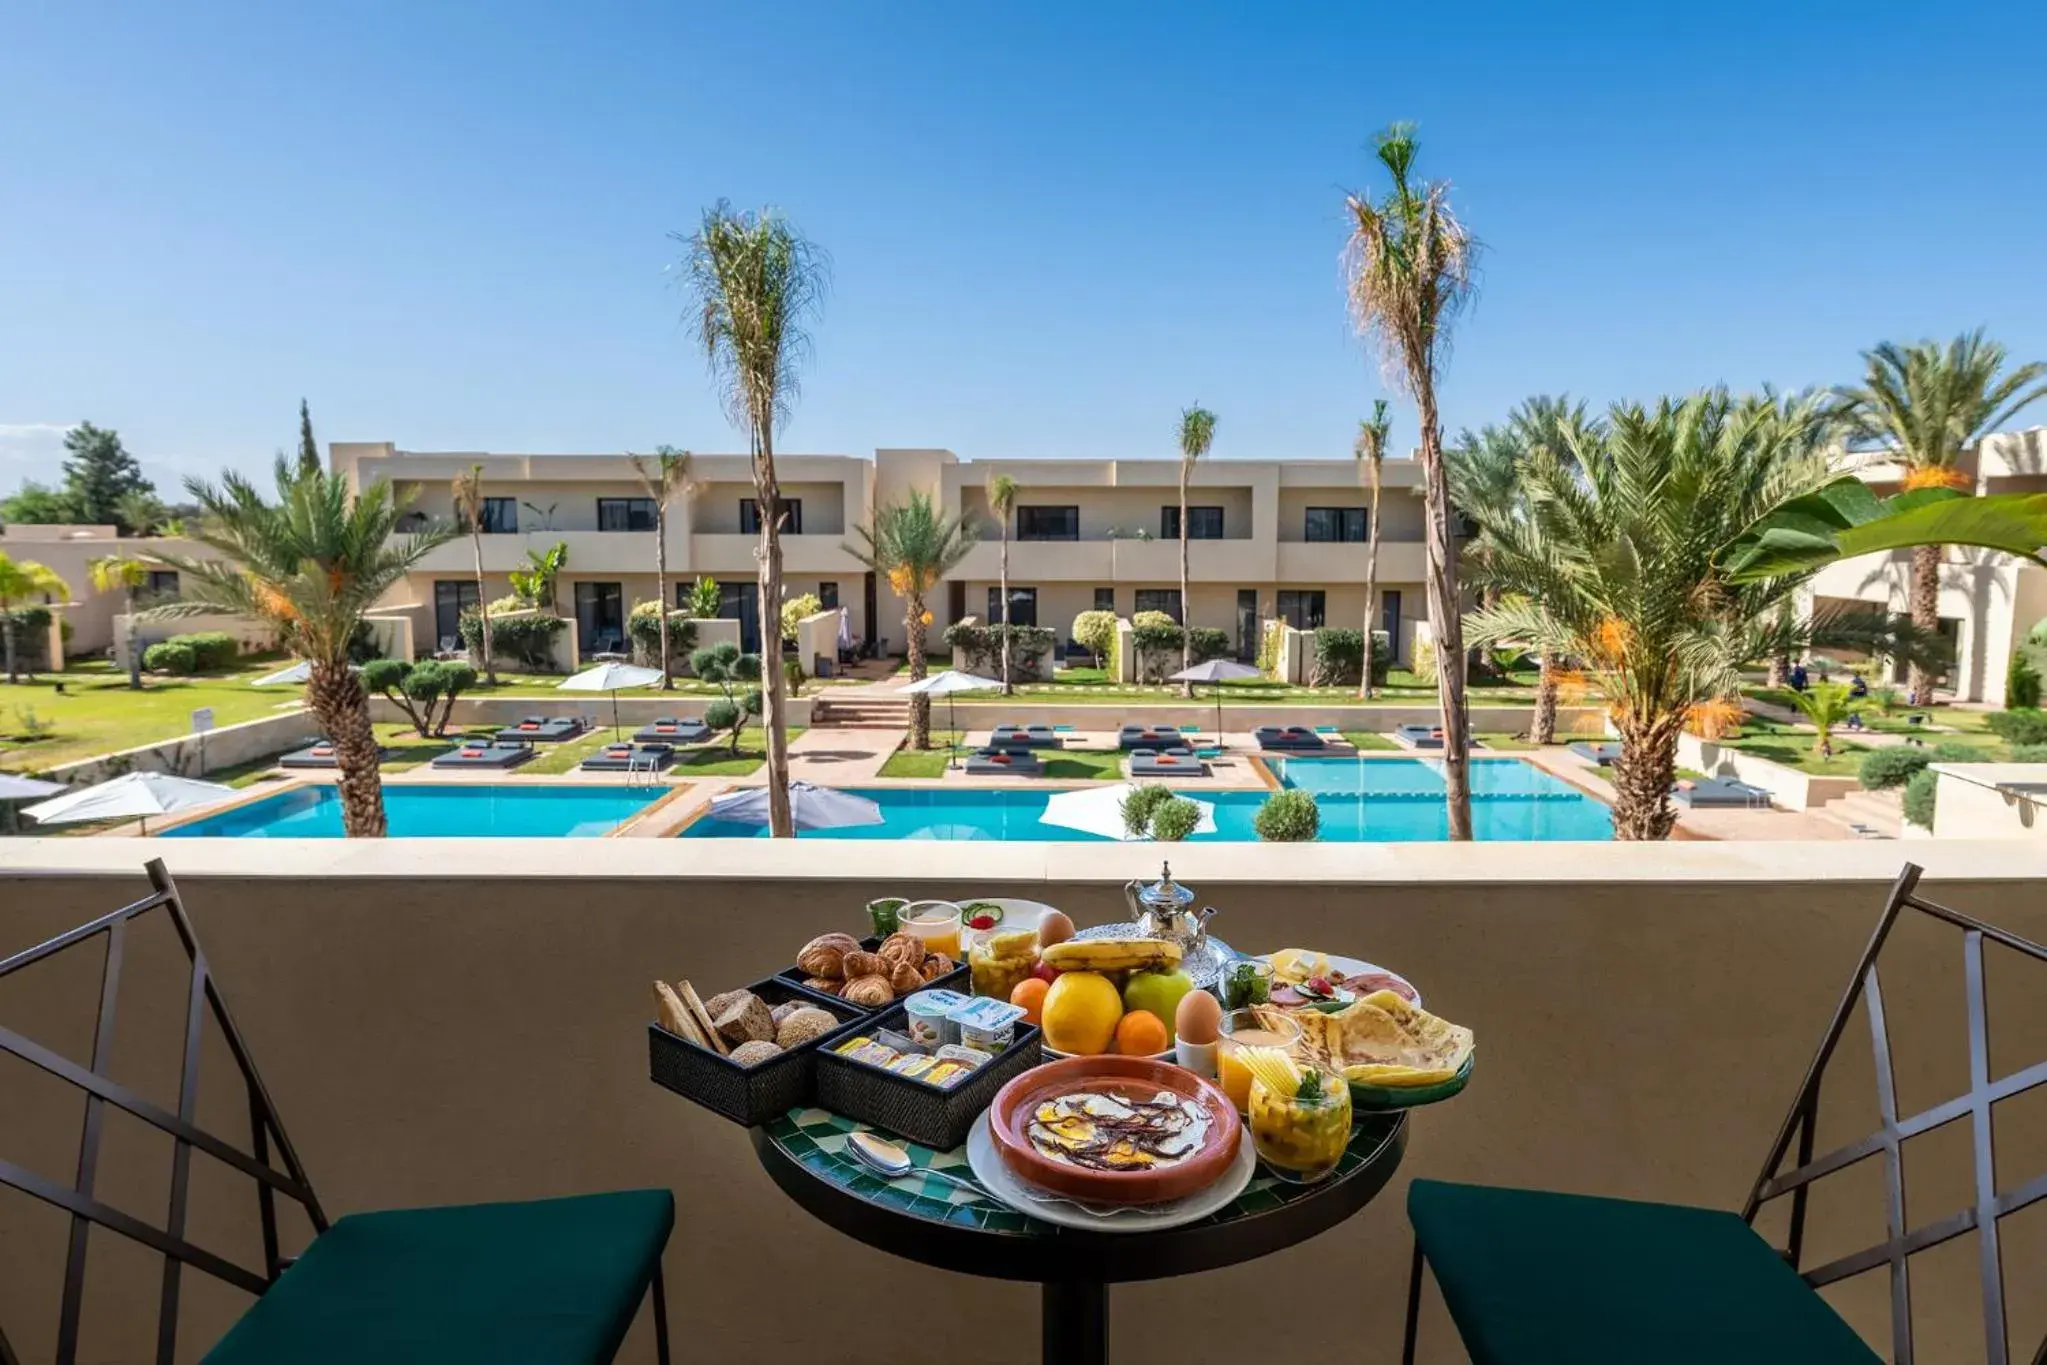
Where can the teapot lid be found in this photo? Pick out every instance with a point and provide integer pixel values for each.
(1165, 893)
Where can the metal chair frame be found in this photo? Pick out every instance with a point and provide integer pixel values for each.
(1901, 1241)
(265, 1128)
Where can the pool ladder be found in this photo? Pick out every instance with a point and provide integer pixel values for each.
(637, 776)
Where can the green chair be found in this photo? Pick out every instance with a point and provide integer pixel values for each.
(548, 1282)
(1531, 1276)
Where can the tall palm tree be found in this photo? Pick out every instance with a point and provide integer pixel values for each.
(914, 545)
(1924, 404)
(1616, 562)
(1408, 272)
(665, 480)
(126, 575)
(468, 490)
(309, 565)
(757, 283)
(1197, 434)
(1370, 452)
(1002, 492)
(20, 580)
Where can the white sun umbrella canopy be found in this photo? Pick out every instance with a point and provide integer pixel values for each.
(130, 796)
(945, 684)
(14, 788)
(300, 672)
(810, 807)
(611, 678)
(1099, 810)
(1217, 671)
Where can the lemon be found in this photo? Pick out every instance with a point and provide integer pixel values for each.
(1081, 1012)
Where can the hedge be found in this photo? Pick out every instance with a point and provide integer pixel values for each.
(2022, 683)
(524, 640)
(1337, 654)
(2021, 725)
(1919, 798)
(208, 651)
(645, 636)
(1883, 769)
(978, 649)
(32, 636)
(171, 656)
(1158, 646)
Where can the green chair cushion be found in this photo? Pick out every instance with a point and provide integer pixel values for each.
(1534, 1276)
(554, 1280)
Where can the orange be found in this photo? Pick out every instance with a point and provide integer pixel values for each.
(1030, 993)
(1141, 1033)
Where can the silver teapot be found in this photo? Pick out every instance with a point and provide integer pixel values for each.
(1163, 909)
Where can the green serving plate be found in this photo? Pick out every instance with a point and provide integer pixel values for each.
(1373, 1098)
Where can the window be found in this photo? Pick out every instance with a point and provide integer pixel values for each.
(625, 514)
(1389, 619)
(452, 597)
(1105, 599)
(500, 517)
(1332, 524)
(163, 583)
(1302, 609)
(750, 516)
(1166, 600)
(1023, 606)
(741, 602)
(1048, 523)
(1203, 523)
(600, 617)
(828, 594)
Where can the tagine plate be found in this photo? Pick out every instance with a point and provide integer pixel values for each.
(996, 1177)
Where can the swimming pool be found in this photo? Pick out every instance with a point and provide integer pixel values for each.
(423, 812)
(1387, 800)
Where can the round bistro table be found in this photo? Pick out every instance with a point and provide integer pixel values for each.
(940, 1224)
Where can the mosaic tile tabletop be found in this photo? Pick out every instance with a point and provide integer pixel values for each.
(816, 1140)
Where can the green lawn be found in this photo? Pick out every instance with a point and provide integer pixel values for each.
(1795, 750)
(1368, 739)
(1086, 686)
(1071, 765)
(96, 713)
(1504, 741)
(717, 760)
(915, 763)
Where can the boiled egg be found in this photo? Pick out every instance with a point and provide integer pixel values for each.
(1198, 1019)
(1055, 927)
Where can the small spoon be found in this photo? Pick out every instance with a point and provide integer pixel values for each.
(886, 1159)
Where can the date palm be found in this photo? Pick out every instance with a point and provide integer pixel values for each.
(1408, 273)
(1002, 492)
(125, 575)
(914, 545)
(1370, 452)
(1824, 706)
(467, 488)
(1197, 434)
(21, 580)
(1924, 404)
(757, 284)
(665, 479)
(309, 565)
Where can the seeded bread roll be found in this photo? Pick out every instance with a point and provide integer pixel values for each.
(803, 1024)
(756, 1052)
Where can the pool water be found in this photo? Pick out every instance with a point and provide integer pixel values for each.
(423, 812)
(1362, 800)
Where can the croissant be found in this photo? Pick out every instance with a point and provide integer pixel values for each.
(824, 984)
(825, 955)
(904, 978)
(902, 947)
(936, 965)
(857, 964)
(869, 992)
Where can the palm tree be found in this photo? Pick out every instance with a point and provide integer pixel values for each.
(20, 580)
(1370, 453)
(665, 480)
(468, 490)
(914, 545)
(125, 575)
(1408, 272)
(309, 565)
(757, 283)
(1197, 434)
(1824, 706)
(1923, 405)
(1001, 501)
(1616, 561)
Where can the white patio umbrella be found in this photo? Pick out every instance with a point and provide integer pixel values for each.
(845, 640)
(1217, 671)
(810, 807)
(132, 794)
(14, 788)
(1099, 810)
(300, 672)
(944, 685)
(610, 678)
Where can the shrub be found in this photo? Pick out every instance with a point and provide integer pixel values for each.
(704, 599)
(527, 641)
(723, 666)
(1174, 820)
(1140, 620)
(1919, 798)
(1424, 666)
(1954, 751)
(1158, 646)
(1142, 804)
(424, 691)
(212, 650)
(171, 656)
(978, 649)
(645, 636)
(1095, 632)
(1288, 817)
(794, 610)
(2022, 683)
(1883, 769)
(2019, 726)
(1339, 652)
(2028, 753)
(1269, 633)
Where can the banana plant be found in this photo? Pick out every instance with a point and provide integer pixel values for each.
(1845, 519)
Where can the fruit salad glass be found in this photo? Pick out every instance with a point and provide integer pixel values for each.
(1302, 1136)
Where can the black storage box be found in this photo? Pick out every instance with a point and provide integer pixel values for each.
(939, 1119)
(746, 1094)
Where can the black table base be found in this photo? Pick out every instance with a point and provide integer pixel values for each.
(1076, 1323)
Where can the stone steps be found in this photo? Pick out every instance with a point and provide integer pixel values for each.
(866, 713)
(1867, 814)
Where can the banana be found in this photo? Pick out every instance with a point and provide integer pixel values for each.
(1113, 954)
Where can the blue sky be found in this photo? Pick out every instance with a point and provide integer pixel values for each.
(1051, 225)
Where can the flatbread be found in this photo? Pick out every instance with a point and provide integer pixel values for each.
(1383, 1039)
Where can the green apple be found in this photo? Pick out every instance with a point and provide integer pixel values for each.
(1157, 992)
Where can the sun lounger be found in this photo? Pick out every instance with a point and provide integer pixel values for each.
(670, 730)
(1602, 754)
(503, 753)
(619, 758)
(1147, 737)
(1027, 736)
(1288, 737)
(1012, 762)
(1719, 793)
(543, 729)
(1174, 762)
(319, 755)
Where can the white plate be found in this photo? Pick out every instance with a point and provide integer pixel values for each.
(1167, 1056)
(1016, 914)
(995, 1175)
(1351, 966)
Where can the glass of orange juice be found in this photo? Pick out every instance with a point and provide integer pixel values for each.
(935, 922)
(1249, 1028)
